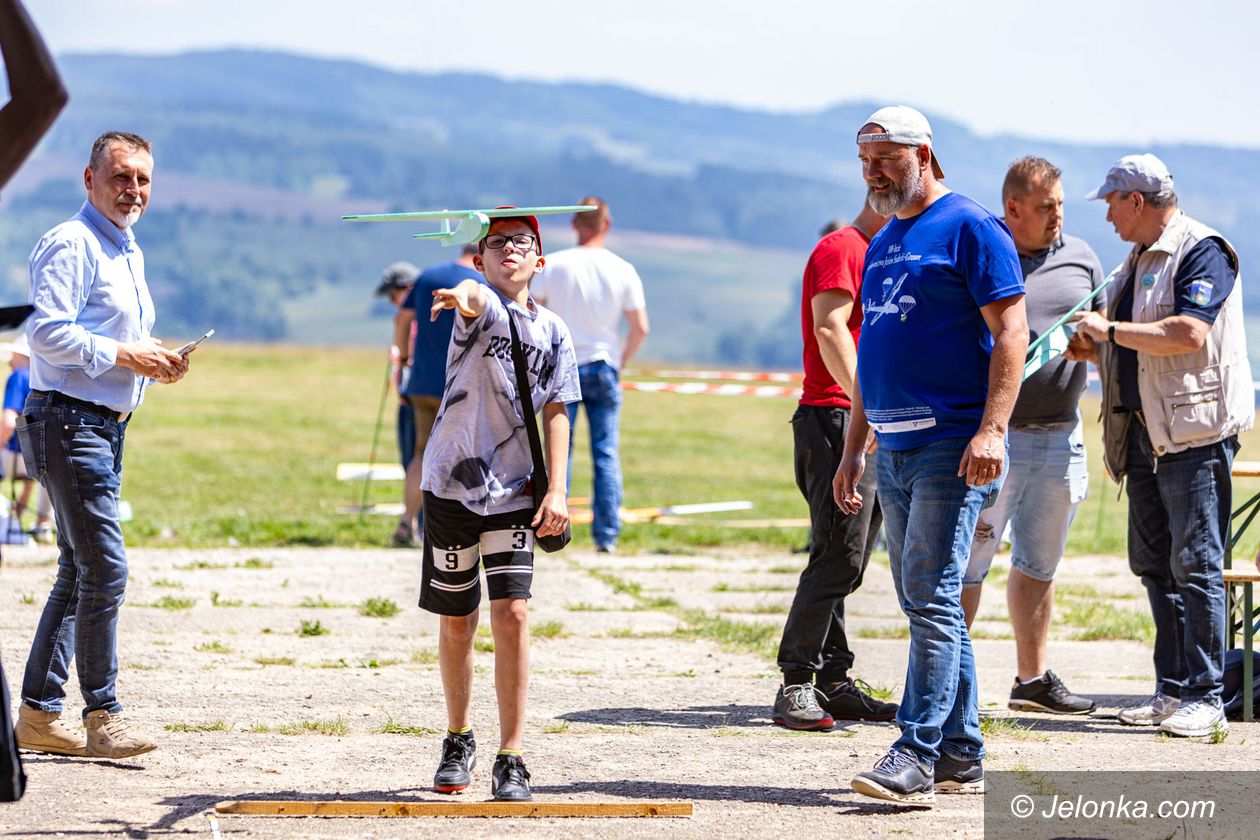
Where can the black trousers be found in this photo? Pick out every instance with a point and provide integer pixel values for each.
(12, 779)
(814, 641)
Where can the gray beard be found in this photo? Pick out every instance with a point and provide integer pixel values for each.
(899, 195)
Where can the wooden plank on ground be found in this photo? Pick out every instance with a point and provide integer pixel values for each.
(344, 808)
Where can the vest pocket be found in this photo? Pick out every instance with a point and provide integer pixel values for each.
(1194, 402)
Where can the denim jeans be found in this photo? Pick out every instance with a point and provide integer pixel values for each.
(814, 641)
(1045, 479)
(77, 455)
(601, 396)
(930, 517)
(1178, 522)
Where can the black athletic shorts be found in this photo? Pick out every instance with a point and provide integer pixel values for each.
(455, 538)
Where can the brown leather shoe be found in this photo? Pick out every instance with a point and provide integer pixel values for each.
(108, 736)
(44, 732)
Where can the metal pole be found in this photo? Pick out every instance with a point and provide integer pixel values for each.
(376, 438)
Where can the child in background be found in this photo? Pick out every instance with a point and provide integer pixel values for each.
(15, 391)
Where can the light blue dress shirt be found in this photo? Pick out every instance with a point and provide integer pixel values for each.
(88, 288)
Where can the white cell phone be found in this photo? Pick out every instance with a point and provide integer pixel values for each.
(190, 346)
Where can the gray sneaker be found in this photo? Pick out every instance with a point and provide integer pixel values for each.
(1153, 711)
(796, 707)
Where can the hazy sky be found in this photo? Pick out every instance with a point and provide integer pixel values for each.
(1114, 70)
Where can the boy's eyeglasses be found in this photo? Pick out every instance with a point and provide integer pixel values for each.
(522, 241)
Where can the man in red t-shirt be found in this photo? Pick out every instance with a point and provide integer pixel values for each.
(814, 653)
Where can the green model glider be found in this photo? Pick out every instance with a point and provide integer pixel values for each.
(473, 224)
(1051, 343)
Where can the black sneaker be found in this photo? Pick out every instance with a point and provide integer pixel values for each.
(509, 780)
(897, 777)
(958, 775)
(1048, 694)
(459, 758)
(796, 707)
(851, 700)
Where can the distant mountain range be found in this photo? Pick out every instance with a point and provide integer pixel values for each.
(258, 153)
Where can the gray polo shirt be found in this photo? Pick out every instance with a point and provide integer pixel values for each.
(1055, 280)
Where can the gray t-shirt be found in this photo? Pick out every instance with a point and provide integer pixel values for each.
(1055, 280)
(478, 452)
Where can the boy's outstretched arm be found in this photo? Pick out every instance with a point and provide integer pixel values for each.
(553, 513)
(469, 297)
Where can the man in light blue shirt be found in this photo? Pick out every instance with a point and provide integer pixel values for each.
(91, 358)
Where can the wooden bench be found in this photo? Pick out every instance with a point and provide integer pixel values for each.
(1241, 615)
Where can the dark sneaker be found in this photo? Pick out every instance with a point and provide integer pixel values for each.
(796, 707)
(406, 537)
(958, 775)
(1048, 694)
(509, 780)
(459, 758)
(897, 777)
(851, 700)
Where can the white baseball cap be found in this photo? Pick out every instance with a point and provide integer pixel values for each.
(902, 124)
(1135, 173)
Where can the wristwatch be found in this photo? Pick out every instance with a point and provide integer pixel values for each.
(1111, 332)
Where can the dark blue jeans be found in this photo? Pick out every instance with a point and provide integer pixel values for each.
(930, 517)
(76, 454)
(1178, 524)
(601, 396)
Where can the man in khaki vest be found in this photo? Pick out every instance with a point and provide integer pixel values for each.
(1176, 393)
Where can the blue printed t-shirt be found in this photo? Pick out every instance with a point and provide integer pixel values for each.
(923, 360)
(433, 338)
(15, 391)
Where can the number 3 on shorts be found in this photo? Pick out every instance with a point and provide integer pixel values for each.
(519, 540)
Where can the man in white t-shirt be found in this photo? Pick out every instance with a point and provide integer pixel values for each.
(592, 289)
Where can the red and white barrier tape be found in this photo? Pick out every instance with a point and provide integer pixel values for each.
(709, 388)
(724, 375)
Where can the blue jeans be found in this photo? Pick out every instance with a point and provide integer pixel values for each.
(1178, 522)
(930, 517)
(76, 454)
(601, 396)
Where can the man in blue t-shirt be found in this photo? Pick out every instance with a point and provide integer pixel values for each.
(426, 353)
(939, 367)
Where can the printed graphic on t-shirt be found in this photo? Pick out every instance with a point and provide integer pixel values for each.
(891, 304)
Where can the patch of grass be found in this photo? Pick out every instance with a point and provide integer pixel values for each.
(895, 631)
(1008, 727)
(725, 731)
(378, 608)
(392, 728)
(259, 728)
(312, 628)
(583, 606)
(556, 727)
(1219, 733)
(142, 666)
(980, 633)
(690, 673)
(256, 563)
(784, 570)
(761, 638)
(548, 630)
(336, 726)
(213, 726)
(759, 609)
(424, 656)
(879, 692)
(27, 598)
(217, 601)
(274, 660)
(213, 647)
(631, 633)
(378, 663)
(1102, 620)
(329, 663)
(164, 583)
(771, 587)
(656, 604)
(483, 645)
(199, 564)
(679, 567)
(166, 602)
(1076, 590)
(318, 603)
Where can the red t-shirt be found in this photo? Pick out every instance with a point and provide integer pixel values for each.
(836, 263)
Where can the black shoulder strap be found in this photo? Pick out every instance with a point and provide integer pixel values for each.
(527, 404)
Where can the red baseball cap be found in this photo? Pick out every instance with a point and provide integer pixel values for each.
(532, 221)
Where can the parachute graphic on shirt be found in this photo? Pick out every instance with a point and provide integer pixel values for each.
(905, 303)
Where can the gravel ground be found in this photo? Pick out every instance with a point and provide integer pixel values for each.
(622, 709)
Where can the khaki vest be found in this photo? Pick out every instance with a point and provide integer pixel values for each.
(1193, 399)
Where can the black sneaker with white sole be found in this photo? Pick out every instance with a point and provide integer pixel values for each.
(958, 775)
(898, 777)
(1048, 694)
(459, 758)
(509, 780)
(851, 700)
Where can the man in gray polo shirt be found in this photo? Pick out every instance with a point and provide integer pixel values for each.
(1046, 477)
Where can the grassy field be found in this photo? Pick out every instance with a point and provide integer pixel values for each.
(246, 448)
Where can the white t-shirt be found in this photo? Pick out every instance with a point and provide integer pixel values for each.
(478, 451)
(591, 288)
